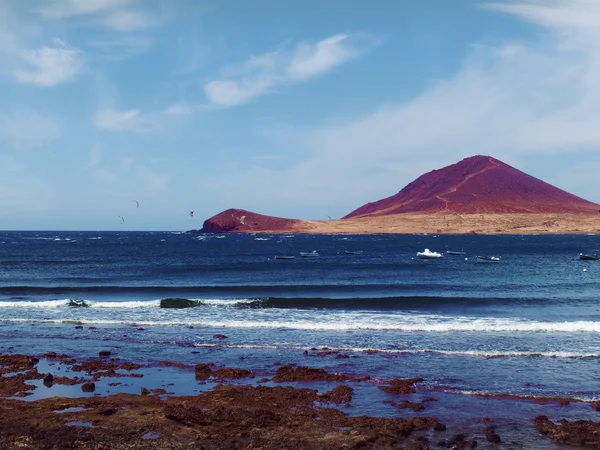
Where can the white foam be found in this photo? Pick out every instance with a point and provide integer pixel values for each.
(337, 324)
(521, 395)
(44, 304)
(127, 305)
(91, 304)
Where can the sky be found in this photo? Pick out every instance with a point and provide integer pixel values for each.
(293, 109)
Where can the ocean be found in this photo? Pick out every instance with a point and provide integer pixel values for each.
(482, 336)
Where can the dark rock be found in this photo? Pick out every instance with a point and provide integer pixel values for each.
(580, 433)
(401, 386)
(48, 379)
(491, 436)
(179, 303)
(50, 355)
(88, 387)
(104, 353)
(220, 336)
(145, 391)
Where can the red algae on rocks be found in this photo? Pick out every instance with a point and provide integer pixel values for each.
(580, 433)
(401, 386)
(304, 373)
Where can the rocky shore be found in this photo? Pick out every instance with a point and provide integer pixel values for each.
(238, 409)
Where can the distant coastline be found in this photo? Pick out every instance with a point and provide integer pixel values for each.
(437, 223)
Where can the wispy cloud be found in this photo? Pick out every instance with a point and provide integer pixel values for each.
(50, 65)
(130, 20)
(121, 15)
(134, 120)
(124, 47)
(307, 60)
(95, 156)
(70, 8)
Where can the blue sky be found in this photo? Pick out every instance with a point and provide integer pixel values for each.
(295, 109)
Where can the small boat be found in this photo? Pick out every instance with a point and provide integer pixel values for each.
(453, 252)
(488, 259)
(308, 254)
(284, 256)
(428, 254)
(593, 257)
(352, 252)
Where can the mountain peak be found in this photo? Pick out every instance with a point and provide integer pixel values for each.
(477, 184)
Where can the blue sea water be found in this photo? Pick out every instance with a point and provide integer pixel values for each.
(527, 326)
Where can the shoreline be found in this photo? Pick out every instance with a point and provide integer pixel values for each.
(105, 402)
(439, 223)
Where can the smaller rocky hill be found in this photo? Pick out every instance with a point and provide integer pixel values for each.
(242, 221)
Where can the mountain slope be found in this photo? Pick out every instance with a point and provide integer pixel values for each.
(479, 184)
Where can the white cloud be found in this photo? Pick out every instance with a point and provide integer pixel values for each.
(125, 120)
(312, 60)
(120, 15)
(69, 8)
(130, 20)
(49, 66)
(134, 120)
(260, 74)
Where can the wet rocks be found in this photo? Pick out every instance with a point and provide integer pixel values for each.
(491, 436)
(339, 394)
(581, 433)
(205, 371)
(400, 386)
(304, 373)
(88, 387)
(414, 406)
(104, 353)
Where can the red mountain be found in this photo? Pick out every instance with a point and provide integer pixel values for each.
(479, 184)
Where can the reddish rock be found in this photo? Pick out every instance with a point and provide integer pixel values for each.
(304, 373)
(414, 406)
(580, 433)
(401, 386)
(479, 184)
(231, 221)
(88, 387)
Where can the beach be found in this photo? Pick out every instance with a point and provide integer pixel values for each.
(175, 340)
(440, 223)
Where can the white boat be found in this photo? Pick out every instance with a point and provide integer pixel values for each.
(428, 254)
(488, 259)
(352, 252)
(308, 254)
(284, 256)
(453, 252)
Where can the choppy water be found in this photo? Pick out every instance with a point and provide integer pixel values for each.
(529, 325)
